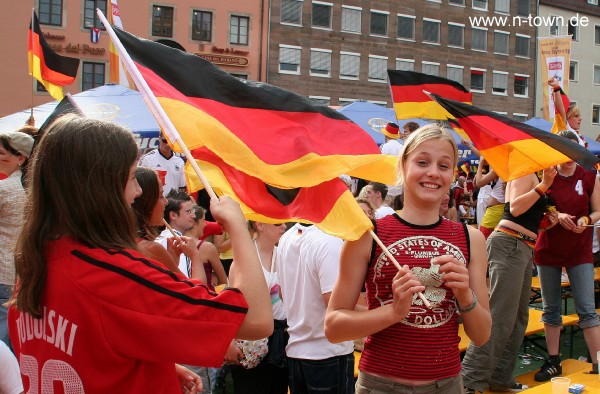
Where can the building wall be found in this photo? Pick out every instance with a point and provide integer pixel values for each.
(71, 39)
(333, 87)
(585, 52)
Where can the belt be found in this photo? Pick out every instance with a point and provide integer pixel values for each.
(517, 234)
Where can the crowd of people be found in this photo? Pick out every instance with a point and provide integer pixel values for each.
(113, 280)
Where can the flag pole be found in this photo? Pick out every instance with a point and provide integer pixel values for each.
(153, 104)
(395, 262)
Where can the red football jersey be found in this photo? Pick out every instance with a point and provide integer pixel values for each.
(115, 322)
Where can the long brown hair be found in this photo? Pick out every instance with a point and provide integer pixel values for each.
(76, 188)
(144, 204)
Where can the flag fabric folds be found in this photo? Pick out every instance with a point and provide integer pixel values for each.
(329, 205)
(410, 101)
(267, 132)
(514, 149)
(51, 69)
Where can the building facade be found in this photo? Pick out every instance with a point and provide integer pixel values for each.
(581, 20)
(338, 51)
(231, 34)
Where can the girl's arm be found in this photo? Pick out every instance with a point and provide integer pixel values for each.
(522, 193)
(221, 243)
(481, 179)
(342, 321)
(156, 251)
(210, 251)
(594, 215)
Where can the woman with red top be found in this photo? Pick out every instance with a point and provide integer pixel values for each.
(92, 314)
(409, 345)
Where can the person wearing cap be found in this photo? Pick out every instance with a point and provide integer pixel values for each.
(15, 149)
(391, 145)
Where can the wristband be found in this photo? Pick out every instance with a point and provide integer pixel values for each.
(587, 218)
(556, 89)
(538, 191)
(469, 307)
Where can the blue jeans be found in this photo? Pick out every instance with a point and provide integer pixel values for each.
(331, 375)
(5, 294)
(581, 278)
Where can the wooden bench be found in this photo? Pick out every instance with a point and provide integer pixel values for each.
(591, 382)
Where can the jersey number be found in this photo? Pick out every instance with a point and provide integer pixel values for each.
(53, 370)
(579, 187)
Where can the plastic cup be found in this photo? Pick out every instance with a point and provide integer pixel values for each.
(560, 385)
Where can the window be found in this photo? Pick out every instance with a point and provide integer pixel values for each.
(162, 21)
(596, 114)
(573, 71)
(201, 25)
(405, 64)
(554, 27)
(523, 8)
(430, 68)
(351, 19)
(349, 65)
(596, 74)
(456, 35)
(480, 4)
(379, 23)
(289, 59)
(596, 35)
(479, 39)
(501, 42)
(406, 27)
(592, 2)
(50, 13)
(291, 11)
(320, 62)
(455, 73)
(345, 101)
(499, 82)
(522, 46)
(573, 30)
(321, 15)
(456, 2)
(478, 80)
(377, 68)
(90, 18)
(521, 83)
(503, 6)
(320, 100)
(431, 31)
(238, 30)
(92, 76)
(520, 117)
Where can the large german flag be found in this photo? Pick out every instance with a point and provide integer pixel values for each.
(267, 132)
(52, 70)
(514, 149)
(410, 101)
(329, 205)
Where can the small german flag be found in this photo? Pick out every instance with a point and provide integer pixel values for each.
(514, 149)
(329, 205)
(410, 101)
(51, 69)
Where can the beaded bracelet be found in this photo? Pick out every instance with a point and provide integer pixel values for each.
(469, 307)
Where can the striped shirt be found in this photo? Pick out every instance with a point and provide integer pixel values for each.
(424, 346)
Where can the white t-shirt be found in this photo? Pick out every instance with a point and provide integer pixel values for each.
(383, 211)
(308, 262)
(10, 377)
(484, 193)
(392, 147)
(185, 264)
(171, 170)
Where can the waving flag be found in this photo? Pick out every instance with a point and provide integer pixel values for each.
(514, 149)
(51, 69)
(329, 205)
(410, 101)
(267, 132)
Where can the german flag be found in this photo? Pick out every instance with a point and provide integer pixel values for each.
(410, 101)
(514, 149)
(329, 205)
(52, 70)
(265, 131)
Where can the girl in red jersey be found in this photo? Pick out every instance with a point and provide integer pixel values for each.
(410, 345)
(576, 195)
(92, 314)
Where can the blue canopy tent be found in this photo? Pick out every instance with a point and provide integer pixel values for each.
(543, 124)
(113, 103)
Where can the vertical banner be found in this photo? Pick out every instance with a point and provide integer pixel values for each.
(117, 73)
(555, 58)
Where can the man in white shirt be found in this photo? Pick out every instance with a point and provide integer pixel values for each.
(391, 145)
(376, 193)
(168, 166)
(308, 263)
